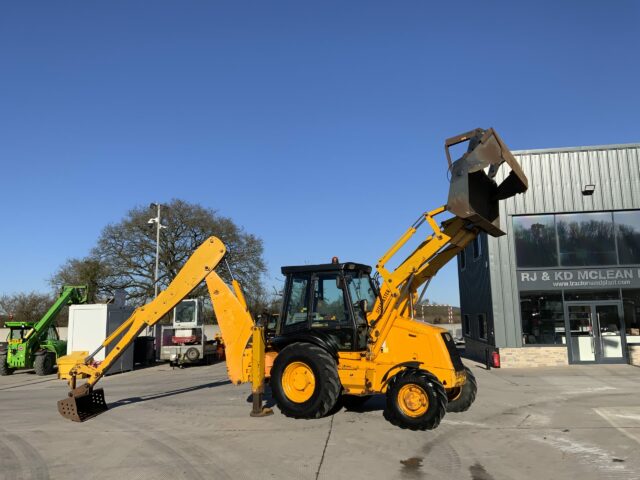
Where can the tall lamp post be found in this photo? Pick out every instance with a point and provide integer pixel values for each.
(157, 221)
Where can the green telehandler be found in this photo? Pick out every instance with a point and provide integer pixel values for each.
(37, 345)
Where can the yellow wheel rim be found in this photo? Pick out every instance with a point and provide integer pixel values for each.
(298, 382)
(454, 394)
(413, 400)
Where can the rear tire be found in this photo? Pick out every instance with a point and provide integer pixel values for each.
(43, 364)
(304, 381)
(415, 400)
(4, 367)
(466, 396)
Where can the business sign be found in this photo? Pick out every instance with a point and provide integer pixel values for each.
(578, 279)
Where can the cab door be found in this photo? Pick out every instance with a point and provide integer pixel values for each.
(330, 310)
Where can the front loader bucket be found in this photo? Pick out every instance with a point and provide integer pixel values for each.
(473, 192)
(83, 404)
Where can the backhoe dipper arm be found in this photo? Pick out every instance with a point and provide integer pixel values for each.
(201, 264)
(235, 324)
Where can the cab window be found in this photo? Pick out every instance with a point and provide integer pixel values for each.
(297, 309)
(16, 333)
(52, 334)
(361, 288)
(329, 301)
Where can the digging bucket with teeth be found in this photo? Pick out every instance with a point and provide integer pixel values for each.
(83, 403)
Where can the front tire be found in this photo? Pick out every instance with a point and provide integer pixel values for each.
(304, 381)
(416, 400)
(43, 364)
(461, 399)
(4, 367)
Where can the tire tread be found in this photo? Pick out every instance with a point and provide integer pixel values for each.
(328, 379)
(467, 395)
(395, 418)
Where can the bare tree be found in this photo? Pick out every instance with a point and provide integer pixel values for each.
(124, 256)
(90, 271)
(27, 307)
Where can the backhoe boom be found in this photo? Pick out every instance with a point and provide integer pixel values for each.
(83, 401)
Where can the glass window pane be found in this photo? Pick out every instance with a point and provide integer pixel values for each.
(542, 318)
(631, 306)
(535, 240)
(297, 309)
(361, 288)
(329, 303)
(52, 333)
(628, 236)
(589, 295)
(463, 259)
(482, 326)
(185, 312)
(586, 239)
(476, 247)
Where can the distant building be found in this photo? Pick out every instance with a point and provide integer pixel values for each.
(563, 286)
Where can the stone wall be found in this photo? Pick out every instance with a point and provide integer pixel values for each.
(634, 354)
(533, 357)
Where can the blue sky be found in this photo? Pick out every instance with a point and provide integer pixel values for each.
(316, 125)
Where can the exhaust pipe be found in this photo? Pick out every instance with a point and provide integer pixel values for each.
(83, 403)
(473, 191)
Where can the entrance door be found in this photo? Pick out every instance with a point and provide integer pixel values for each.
(595, 332)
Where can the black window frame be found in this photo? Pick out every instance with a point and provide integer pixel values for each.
(463, 259)
(483, 325)
(476, 246)
(466, 325)
(283, 327)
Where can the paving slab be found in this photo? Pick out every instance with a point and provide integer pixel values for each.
(562, 423)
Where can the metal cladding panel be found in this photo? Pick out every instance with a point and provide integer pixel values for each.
(475, 288)
(556, 180)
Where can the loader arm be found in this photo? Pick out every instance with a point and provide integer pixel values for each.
(473, 200)
(70, 294)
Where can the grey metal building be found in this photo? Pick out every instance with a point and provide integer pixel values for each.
(563, 286)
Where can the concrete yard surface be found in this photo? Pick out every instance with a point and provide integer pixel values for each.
(561, 423)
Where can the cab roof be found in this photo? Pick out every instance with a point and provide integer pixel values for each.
(14, 323)
(327, 267)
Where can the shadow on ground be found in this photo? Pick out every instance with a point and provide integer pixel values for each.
(170, 393)
(374, 403)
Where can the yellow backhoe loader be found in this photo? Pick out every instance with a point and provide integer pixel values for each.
(342, 336)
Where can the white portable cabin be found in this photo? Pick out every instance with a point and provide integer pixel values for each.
(90, 325)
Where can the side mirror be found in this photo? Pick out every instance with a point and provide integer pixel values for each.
(363, 305)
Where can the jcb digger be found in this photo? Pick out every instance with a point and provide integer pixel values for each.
(342, 336)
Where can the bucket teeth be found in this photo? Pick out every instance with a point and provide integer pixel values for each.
(82, 406)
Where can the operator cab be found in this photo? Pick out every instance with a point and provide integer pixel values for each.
(17, 331)
(188, 313)
(328, 300)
